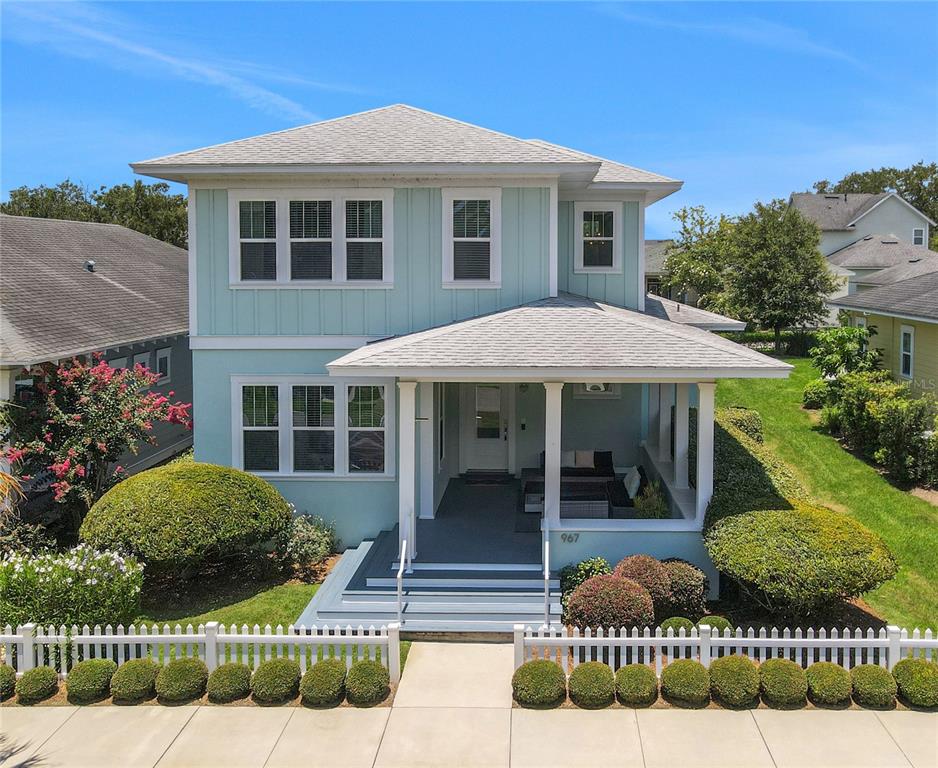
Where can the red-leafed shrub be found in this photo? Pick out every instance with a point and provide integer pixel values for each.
(652, 575)
(610, 601)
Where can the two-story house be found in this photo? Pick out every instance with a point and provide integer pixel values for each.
(438, 336)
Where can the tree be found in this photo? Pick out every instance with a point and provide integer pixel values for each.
(146, 208)
(81, 419)
(917, 185)
(778, 277)
(698, 258)
(844, 349)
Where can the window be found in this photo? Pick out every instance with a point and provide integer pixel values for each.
(118, 362)
(594, 389)
(142, 358)
(471, 237)
(598, 243)
(906, 351)
(164, 364)
(310, 239)
(260, 423)
(313, 429)
(653, 286)
(366, 428)
(257, 226)
(918, 236)
(364, 239)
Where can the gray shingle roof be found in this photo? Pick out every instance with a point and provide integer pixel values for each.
(915, 297)
(656, 255)
(51, 306)
(878, 252)
(676, 312)
(609, 170)
(833, 212)
(570, 334)
(913, 268)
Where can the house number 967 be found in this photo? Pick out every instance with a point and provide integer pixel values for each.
(569, 538)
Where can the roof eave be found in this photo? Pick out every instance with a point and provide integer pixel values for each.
(541, 374)
(48, 355)
(884, 312)
(654, 190)
(883, 200)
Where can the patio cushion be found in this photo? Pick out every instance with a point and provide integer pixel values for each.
(568, 458)
(602, 465)
(633, 481)
(584, 459)
(618, 496)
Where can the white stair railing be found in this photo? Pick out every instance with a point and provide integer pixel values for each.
(546, 578)
(400, 582)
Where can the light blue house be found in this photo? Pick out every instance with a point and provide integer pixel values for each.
(438, 337)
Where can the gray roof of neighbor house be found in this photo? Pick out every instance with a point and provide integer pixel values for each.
(568, 338)
(676, 312)
(916, 298)
(878, 252)
(833, 212)
(923, 265)
(656, 255)
(52, 306)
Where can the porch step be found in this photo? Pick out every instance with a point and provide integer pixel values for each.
(480, 567)
(441, 595)
(465, 579)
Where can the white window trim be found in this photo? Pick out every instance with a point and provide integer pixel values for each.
(142, 358)
(581, 207)
(914, 235)
(285, 404)
(118, 362)
(910, 330)
(494, 196)
(282, 198)
(166, 353)
(580, 392)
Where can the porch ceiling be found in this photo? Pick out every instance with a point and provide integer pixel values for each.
(567, 338)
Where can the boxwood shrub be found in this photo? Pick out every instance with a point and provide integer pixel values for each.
(651, 574)
(676, 623)
(717, 623)
(182, 680)
(636, 685)
(783, 682)
(367, 683)
(815, 394)
(746, 420)
(177, 516)
(592, 685)
(873, 686)
(539, 683)
(829, 684)
(90, 681)
(734, 681)
(276, 681)
(686, 683)
(610, 601)
(688, 589)
(37, 684)
(918, 682)
(229, 682)
(323, 685)
(7, 681)
(135, 681)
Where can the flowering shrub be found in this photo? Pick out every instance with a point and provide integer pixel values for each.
(308, 541)
(80, 586)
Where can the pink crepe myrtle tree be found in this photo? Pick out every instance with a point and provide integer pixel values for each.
(82, 416)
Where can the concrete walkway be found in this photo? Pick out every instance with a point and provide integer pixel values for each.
(453, 708)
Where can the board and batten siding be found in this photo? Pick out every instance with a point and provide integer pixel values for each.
(417, 299)
(925, 357)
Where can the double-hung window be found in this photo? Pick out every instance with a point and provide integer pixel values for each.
(906, 351)
(310, 239)
(598, 244)
(918, 236)
(313, 428)
(472, 237)
(366, 431)
(164, 358)
(364, 240)
(260, 409)
(257, 227)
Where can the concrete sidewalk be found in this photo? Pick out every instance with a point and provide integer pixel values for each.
(453, 708)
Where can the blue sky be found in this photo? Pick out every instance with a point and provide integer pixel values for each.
(741, 101)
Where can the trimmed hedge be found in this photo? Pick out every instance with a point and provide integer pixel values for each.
(229, 682)
(918, 682)
(90, 681)
(276, 681)
(651, 574)
(677, 623)
(829, 684)
(734, 680)
(717, 623)
(873, 686)
(592, 685)
(367, 683)
(815, 394)
(571, 576)
(135, 681)
(177, 516)
(539, 683)
(688, 588)
(746, 420)
(37, 684)
(686, 683)
(610, 601)
(323, 685)
(7, 681)
(182, 680)
(636, 685)
(783, 683)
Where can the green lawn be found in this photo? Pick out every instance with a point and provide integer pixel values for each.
(841, 481)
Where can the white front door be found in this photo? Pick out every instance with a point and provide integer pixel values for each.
(484, 425)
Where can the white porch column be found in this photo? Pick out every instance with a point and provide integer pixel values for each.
(681, 434)
(406, 463)
(552, 421)
(425, 429)
(705, 390)
(653, 404)
(665, 401)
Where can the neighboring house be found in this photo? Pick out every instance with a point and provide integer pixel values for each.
(437, 336)
(69, 288)
(656, 255)
(869, 256)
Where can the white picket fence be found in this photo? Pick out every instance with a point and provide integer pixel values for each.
(617, 648)
(31, 645)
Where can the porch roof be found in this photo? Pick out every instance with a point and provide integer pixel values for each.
(567, 338)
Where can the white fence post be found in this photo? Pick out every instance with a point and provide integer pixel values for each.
(893, 649)
(211, 645)
(519, 645)
(27, 651)
(394, 651)
(705, 631)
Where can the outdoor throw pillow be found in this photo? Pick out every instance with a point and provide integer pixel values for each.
(568, 458)
(584, 459)
(632, 482)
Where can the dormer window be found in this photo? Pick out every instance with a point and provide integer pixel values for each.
(472, 238)
(598, 246)
(918, 236)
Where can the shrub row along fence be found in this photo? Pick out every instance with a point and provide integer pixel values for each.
(617, 648)
(30, 645)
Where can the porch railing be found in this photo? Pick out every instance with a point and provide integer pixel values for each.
(546, 576)
(400, 583)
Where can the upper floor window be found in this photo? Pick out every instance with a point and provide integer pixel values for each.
(906, 351)
(364, 239)
(257, 222)
(598, 245)
(310, 239)
(164, 359)
(472, 237)
(918, 236)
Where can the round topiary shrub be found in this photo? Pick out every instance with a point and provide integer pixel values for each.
(686, 683)
(229, 682)
(323, 685)
(636, 685)
(135, 681)
(783, 683)
(918, 682)
(719, 624)
(177, 516)
(367, 683)
(688, 589)
(676, 623)
(37, 684)
(276, 681)
(652, 575)
(815, 394)
(734, 681)
(90, 681)
(829, 684)
(539, 683)
(7, 681)
(609, 601)
(592, 685)
(182, 680)
(873, 686)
